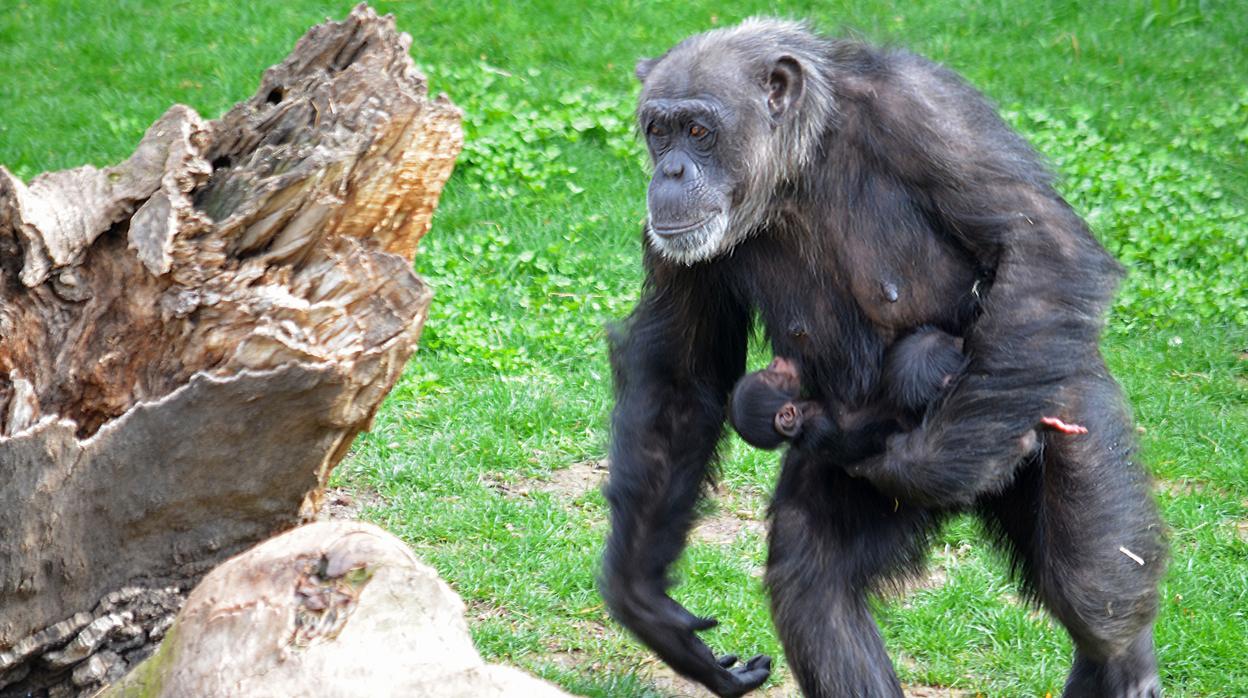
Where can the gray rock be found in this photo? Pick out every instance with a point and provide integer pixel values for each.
(328, 609)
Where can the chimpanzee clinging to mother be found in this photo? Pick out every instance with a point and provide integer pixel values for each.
(843, 195)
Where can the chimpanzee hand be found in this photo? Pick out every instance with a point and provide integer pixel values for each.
(667, 627)
(747, 677)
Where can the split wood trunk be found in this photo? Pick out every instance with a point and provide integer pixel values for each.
(190, 340)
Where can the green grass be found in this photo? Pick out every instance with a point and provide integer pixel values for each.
(1141, 106)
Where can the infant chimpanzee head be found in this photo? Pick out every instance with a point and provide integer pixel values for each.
(763, 407)
(920, 367)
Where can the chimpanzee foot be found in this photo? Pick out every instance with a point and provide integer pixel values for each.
(1063, 427)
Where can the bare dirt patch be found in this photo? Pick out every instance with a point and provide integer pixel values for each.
(342, 503)
(936, 575)
(500, 484)
(936, 692)
(575, 480)
(725, 527)
(571, 482)
(478, 611)
(1179, 488)
(738, 512)
(1186, 487)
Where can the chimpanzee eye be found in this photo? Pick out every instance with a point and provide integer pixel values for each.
(698, 131)
(654, 129)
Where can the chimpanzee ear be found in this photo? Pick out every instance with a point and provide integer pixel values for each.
(788, 420)
(644, 66)
(784, 87)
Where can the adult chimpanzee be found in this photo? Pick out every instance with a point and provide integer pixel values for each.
(767, 410)
(846, 194)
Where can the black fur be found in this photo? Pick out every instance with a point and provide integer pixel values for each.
(917, 370)
(921, 367)
(846, 195)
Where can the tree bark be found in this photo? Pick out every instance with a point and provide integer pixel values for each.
(190, 340)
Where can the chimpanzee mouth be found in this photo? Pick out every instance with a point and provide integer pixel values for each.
(674, 230)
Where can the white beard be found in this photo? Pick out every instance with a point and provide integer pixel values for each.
(714, 238)
(698, 245)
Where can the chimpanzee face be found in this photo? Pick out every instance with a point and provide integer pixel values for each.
(710, 126)
(690, 194)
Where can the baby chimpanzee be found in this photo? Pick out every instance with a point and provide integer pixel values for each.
(766, 406)
(766, 409)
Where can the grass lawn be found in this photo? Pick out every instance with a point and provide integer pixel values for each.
(485, 456)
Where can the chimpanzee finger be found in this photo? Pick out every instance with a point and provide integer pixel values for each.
(698, 624)
(727, 660)
(759, 661)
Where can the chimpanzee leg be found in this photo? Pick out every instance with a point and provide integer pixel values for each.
(832, 539)
(1088, 543)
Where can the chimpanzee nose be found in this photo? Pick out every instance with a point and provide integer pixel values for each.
(674, 168)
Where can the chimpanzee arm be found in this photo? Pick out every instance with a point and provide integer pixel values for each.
(674, 362)
(864, 435)
(1045, 288)
(1040, 322)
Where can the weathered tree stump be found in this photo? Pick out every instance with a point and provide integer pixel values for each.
(190, 340)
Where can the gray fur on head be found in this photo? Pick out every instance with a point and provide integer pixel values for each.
(735, 65)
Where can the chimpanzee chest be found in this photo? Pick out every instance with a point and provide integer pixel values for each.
(836, 313)
(910, 281)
